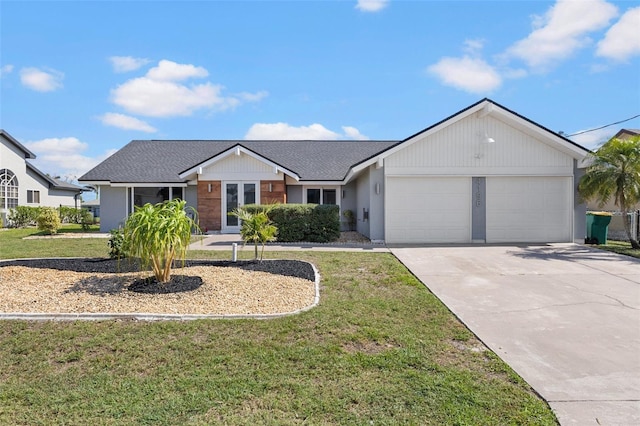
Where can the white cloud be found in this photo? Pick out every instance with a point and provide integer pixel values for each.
(172, 71)
(63, 156)
(469, 74)
(284, 131)
(160, 93)
(473, 46)
(561, 31)
(622, 41)
(41, 81)
(126, 122)
(593, 139)
(353, 133)
(127, 63)
(371, 5)
(6, 69)
(152, 98)
(253, 97)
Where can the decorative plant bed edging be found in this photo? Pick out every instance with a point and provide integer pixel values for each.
(97, 289)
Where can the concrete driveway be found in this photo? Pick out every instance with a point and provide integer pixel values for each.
(565, 317)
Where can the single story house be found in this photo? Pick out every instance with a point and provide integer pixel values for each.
(22, 184)
(93, 207)
(484, 174)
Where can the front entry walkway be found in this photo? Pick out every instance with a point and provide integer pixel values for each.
(565, 317)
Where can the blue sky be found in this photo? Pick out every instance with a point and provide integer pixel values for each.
(81, 79)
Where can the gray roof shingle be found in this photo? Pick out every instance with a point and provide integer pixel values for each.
(162, 161)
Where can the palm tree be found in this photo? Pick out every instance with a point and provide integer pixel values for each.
(257, 228)
(615, 171)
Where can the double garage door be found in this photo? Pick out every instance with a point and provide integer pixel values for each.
(446, 209)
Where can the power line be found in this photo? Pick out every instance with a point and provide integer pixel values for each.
(603, 127)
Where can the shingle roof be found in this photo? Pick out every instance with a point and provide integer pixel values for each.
(55, 183)
(7, 136)
(163, 160)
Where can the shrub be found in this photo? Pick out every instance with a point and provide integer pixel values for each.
(86, 219)
(303, 222)
(48, 220)
(158, 234)
(325, 223)
(23, 216)
(71, 214)
(117, 249)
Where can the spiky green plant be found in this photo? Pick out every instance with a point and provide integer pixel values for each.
(615, 171)
(158, 234)
(256, 228)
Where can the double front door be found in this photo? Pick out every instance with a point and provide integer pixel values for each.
(236, 194)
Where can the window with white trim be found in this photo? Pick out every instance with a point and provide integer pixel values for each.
(33, 196)
(8, 189)
(321, 195)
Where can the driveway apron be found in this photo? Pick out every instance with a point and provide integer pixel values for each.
(565, 317)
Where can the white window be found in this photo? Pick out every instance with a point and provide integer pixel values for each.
(8, 189)
(33, 197)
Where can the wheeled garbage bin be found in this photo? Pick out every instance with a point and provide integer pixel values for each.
(598, 227)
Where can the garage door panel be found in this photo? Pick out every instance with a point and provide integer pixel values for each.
(428, 210)
(529, 209)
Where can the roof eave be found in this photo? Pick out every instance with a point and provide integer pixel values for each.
(28, 154)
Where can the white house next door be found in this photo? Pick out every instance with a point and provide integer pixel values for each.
(236, 194)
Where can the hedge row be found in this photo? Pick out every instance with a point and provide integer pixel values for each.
(303, 222)
(22, 216)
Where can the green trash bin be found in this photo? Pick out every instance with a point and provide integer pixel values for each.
(589, 225)
(598, 227)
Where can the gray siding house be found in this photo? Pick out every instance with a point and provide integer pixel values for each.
(484, 174)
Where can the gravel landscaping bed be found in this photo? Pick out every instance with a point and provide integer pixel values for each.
(201, 287)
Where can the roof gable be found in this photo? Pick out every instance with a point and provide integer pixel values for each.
(483, 108)
(12, 140)
(236, 150)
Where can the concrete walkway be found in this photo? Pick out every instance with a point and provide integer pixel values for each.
(224, 242)
(566, 318)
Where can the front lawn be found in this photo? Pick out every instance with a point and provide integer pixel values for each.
(379, 349)
(14, 246)
(621, 247)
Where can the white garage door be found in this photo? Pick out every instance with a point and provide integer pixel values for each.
(529, 209)
(428, 210)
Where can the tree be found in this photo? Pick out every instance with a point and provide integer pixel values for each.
(158, 234)
(257, 228)
(615, 171)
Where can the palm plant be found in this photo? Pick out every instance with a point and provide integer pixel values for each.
(257, 228)
(158, 234)
(615, 171)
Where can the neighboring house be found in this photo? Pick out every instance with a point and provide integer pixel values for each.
(93, 207)
(21, 184)
(627, 133)
(484, 174)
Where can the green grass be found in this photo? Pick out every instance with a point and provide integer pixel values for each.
(621, 247)
(379, 349)
(13, 246)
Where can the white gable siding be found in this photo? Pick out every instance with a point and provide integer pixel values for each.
(461, 149)
(240, 167)
(13, 159)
